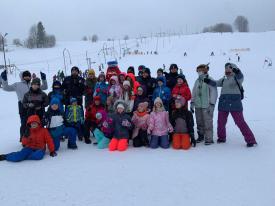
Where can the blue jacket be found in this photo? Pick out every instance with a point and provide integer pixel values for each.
(103, 91)
(162, 92)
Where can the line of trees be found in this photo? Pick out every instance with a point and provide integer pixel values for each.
(94, 38)
(38, 38)
(241, 24)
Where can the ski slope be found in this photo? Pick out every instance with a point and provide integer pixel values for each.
(227, 174)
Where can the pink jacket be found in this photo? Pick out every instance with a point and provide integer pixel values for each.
(114, 90)
(140, 122)
(159, 124)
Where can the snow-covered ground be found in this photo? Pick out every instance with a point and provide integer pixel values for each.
(228, 174)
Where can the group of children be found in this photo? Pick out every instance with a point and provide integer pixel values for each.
(121, 108)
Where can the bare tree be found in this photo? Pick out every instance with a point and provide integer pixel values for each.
(32, 39)
(17, 42)
(126, 37)
(94, 38)
(241, 23)
(38, 38)
(50, 41)
(1, 42)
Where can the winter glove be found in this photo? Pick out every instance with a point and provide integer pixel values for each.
(53, 154)
(105, 124)
(192, 140)
(149, 131)
(97, 90)
(236, 70)
(126, 123)
(31, 105)
(4, 75)
(170, 129)
(192, 108)
(207, 80)
(43, 76)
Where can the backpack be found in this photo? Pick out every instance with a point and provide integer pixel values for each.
(239, 86)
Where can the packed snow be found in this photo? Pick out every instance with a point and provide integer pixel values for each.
(227, 174)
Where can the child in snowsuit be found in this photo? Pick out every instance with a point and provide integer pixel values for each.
(141, 97)
(121, 124)
(181, 89)
(90, 87)
(159, 126)
(103, 133)
(74, 117)
(58, 94)
(36, 100)
(101, 88)
(91, 121)
(127, 96)
(162, 92)
(34, 141)
(56, 127)
(183, 123)
(204, 97)
(134, 84)
(114, 92)
(140, 120)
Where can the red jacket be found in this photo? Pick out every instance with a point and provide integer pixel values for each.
(136, 84)
(91, 112)
(39, 137)
(182, 90)
(112, 71)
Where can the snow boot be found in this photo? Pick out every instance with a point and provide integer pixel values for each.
(3, 157)
(208, 142)
(251, 144)
(200, 138)
(220, 141)
(88, 140)
(73, 147)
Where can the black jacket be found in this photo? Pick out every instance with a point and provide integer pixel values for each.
(73, 87)
(185, 115)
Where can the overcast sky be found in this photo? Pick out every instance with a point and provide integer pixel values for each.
(72, 19)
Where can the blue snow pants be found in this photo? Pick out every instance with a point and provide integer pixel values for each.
(58, 132)
(25, 154)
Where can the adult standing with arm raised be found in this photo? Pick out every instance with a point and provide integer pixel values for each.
(230, 102)
(21, 88)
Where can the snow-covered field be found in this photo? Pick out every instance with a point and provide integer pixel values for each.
(227, 175)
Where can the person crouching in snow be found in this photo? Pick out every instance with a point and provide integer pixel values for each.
(91, 121)
(34, 141)
(56, 127)
(141, 120)
(74, 117)
(183, 123)
(204, 97)
(122, 125)
(159, 126)
(103, 133)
